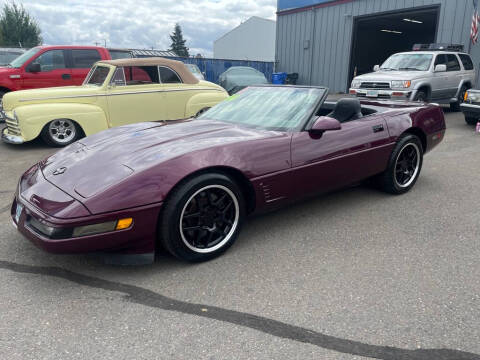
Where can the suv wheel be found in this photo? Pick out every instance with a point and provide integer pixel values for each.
(461, 95)
(421, 96)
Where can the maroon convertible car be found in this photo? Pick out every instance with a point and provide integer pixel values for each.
(189, 185)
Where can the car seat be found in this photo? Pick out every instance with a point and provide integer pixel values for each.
(346, 110)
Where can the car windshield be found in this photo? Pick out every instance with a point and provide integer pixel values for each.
(272, 108)
(22, 59)
(420, 62)
(97, 75)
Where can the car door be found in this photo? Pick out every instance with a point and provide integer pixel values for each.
(81, 60)
(177, 94)
(135, 95)
(454, 73)
(360, 149)
(53, 71)
(439, 80)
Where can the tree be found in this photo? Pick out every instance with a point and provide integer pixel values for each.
(17, 27)
(178, 42)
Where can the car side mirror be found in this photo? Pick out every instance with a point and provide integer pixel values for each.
(325, 123)
(376, 68)
(34, 67)
(440, 68)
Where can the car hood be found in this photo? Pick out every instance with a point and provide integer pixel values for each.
(54, 94)
(392, 75)
(91, 165)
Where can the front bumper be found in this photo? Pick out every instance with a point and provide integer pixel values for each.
(471, 110)
(382, 94)
(135, 245)
(10, 138)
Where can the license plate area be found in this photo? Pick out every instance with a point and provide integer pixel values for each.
(372, 93)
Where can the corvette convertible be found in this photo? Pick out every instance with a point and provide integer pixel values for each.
(188, 185)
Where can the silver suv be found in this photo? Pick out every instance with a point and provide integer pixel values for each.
(437, 73)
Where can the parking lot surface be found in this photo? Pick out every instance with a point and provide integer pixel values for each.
(355, 274)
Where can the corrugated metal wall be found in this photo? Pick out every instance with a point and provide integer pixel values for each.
(212, 68)
(316, 43)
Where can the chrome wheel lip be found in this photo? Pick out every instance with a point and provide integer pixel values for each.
(55, 130)
(230, 233)
(417, 166)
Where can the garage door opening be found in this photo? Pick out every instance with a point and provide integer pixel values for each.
(377, 37)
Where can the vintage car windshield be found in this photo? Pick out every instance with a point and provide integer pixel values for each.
(97, 75)
(22, 59)
(272, 108)
(419, 62)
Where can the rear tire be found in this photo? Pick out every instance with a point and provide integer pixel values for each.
(471, 120)
(404, 165)
(456, 105)
(61, 132)
(202, 217)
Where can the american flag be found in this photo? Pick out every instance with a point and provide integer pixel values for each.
(475, 23)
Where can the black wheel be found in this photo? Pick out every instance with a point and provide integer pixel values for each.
(404, 165)
(461, 96)
(471, 120)
(421, 96)
(202, 218)
(61, 132)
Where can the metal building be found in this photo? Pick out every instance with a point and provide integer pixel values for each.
(254, 39)
(327, 42)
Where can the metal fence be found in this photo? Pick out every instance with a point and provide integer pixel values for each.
(212, 68)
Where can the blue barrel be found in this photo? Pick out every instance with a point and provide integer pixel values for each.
(279, 78)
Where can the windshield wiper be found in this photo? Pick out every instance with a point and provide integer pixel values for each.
(410, 68)
(387, 68)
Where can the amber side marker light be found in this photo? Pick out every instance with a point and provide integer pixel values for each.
(465, 97)
(124, 224)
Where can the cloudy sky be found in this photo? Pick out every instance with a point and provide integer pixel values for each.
(142, 23)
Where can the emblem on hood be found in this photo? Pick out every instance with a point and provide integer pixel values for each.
(60, 170)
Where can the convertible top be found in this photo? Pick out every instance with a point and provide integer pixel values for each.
(177, 66)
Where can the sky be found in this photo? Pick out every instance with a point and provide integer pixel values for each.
(142, 23)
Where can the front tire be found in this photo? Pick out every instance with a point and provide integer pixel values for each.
(202, 218)
(471, 120)
(404, 165)
(421, 96)
(60, 132)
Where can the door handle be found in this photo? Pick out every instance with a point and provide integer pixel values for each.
(66, 76)
(377, 128)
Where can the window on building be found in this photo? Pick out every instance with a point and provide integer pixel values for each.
(169, 76)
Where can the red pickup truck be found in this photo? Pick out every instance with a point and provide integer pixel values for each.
(47, 66)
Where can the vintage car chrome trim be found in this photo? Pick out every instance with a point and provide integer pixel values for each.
(123, 93)
(11, 139)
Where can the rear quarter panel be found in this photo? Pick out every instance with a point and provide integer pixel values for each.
(428, 119)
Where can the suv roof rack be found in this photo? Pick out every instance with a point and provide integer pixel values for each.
(438, 47)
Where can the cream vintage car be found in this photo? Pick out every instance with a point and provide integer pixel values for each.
(114, 93)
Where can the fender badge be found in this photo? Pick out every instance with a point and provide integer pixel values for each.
(60, 170)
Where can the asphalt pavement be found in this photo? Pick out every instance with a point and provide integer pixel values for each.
(355, 274)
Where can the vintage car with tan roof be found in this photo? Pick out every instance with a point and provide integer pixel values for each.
(114, 93)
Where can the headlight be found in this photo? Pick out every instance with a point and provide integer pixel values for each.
(472, 96)
(402, 84)
(356, 84)
(102, 227)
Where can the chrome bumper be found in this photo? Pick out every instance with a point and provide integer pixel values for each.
(11, 139)
(382, 94)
